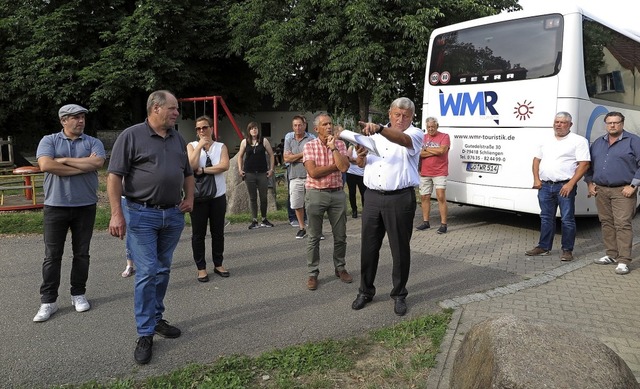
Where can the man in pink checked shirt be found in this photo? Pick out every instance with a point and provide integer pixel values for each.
(325, 159)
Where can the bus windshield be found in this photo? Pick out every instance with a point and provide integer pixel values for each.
(513, 50)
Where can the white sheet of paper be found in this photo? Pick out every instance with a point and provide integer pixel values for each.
(360, 139)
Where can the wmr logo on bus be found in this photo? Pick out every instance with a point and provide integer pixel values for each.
(460, 103)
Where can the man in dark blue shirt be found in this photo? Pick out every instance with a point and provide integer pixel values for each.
(150, 167)
(613, 178)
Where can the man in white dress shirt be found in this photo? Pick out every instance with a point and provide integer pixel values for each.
(390, 179)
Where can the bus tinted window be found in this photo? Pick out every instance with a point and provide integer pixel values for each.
(611, 63)
(514, 50)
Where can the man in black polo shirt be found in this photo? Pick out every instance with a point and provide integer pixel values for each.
(150, 167)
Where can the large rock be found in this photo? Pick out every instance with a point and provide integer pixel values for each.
(237, 195)
(515, 353)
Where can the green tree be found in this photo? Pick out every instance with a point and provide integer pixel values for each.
(46, 44)
(343, 53)
(108, 56)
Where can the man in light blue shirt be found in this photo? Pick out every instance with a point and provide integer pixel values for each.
(70, 160)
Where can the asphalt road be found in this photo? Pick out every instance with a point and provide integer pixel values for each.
(262, 306)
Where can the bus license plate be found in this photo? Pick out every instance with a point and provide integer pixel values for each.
(482, 167)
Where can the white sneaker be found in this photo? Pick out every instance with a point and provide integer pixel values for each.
(604, 260)
(45, 312)
(80, 302)
(622, 268)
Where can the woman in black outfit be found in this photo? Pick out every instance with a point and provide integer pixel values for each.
(354, 179)
(255, 165)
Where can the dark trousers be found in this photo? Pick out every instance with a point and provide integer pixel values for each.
(393, 215)
(353, 181)
(209, 212)
(257, 184)
(290, 212)
(57, 222)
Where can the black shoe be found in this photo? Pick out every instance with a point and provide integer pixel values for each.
(204, 278)
(266, 223)
(354, 214)
(164, 329)
(425, 225)
(143, 352)
(360, 302)
(221, 273)
(442, 229)
(400, 306)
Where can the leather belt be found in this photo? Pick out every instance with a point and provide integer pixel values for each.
(390, 192)
(612, 186)
(151, 205)
(555, 182)
(329, 189)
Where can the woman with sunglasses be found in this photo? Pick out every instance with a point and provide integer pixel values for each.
(207, 156)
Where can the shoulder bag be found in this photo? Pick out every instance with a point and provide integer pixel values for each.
(206, 188)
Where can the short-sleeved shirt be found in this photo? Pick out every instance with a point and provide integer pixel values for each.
(214, 153)
(318, 152)
(353, 167)
(291, 144)
(559, 157)
(153, 167)
(70, 191)
(397, 166)
(435, 165)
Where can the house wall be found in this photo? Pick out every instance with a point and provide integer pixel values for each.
(278, 122)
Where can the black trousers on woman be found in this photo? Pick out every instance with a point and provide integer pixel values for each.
(353, 181)
(210, 212)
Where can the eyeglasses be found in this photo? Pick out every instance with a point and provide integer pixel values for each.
(612, 123)
(203, 128)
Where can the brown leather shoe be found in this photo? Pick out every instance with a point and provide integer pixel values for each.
(566, 256)
(312, 283)
(344, 276)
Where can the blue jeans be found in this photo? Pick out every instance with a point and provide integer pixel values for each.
(57, 222)
(153, 236)
(549, 199)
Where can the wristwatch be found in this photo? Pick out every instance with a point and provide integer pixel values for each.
(380, 129)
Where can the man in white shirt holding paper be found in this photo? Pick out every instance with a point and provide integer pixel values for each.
(390, 179)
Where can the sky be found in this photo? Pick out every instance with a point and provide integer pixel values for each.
(620, 10)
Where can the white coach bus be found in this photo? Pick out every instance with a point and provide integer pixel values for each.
(496, 83)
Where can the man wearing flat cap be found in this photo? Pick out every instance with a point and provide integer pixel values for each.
(70, 160)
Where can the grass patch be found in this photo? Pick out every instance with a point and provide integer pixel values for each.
(30, 222)
(394, 357)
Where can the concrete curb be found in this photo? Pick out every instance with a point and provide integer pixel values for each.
(442, 359)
